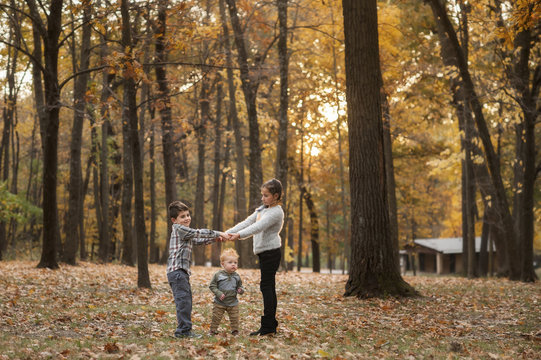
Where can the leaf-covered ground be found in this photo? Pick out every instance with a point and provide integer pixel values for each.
(96, 311)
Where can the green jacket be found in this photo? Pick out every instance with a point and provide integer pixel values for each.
(225, 283)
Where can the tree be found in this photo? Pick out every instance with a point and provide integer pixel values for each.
(501, 202)
(243, 247)
(373, 270)
(250, 84)
(48, 101)
(8, 112)
(281, 152)
(73, 220)
(164, 106)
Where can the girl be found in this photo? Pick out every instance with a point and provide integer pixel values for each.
(265, 225)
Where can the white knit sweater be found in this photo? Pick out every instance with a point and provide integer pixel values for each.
(265, 225)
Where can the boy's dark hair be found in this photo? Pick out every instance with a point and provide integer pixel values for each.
(274, 186)
(176, 207)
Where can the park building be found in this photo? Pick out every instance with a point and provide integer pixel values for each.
(438, 255)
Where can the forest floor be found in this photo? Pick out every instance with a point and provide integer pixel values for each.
(96, 311)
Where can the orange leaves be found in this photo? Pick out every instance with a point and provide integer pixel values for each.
(100, 308)
(111, 348)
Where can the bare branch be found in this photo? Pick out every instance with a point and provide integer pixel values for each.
(72, 76)
(34, 60)
(191, 64)
(314, 28)
(36, 19)
(32, 18)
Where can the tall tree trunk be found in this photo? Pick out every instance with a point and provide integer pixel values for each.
(143, 279)
(281, 149)
(201, 134)
(216, 247)
(154, 249)
(373, 270)
(525, 79)
(250, 84)
(389, 173)
(525, 168)
(244, 248)
(500, 200)
(8, 114)
(49, 123)
(168, 137)
(480, 171)
(314, 230)
(301, 197)
(126, 213)
(91, 160)
(343, 203)
(73, 236)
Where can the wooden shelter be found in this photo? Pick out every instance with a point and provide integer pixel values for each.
(436, 255)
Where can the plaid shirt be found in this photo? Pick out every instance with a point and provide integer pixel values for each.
(180, 245)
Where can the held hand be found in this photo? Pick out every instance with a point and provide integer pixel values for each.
(240, 291)
(222, 296)
(234, 237)
(222, 236)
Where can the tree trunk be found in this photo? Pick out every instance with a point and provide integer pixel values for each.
(500, 200)
(216, 247)
(343, 203)
(301, 197)
(130, 91)
(127, 187)
(481, 174)
(389, 174)
(8, 114)
(525, 168)
(49, 116)
(102, 198)
(164, 101)
(154, 249)
(91, 160)
(244, 248)
(482, 268)
(73, 236)
(250, 83)
(314, 230)
(201, 134)
(281, 149)
(373, 270)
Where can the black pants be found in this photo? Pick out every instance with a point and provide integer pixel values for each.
(269, 261)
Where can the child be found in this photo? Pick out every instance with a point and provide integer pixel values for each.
(226, 284)
(265, 225)
(178, 265)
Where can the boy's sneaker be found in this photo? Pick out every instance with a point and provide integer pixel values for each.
(189, 334)
(234, 332)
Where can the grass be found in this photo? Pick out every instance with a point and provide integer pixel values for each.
(92, 311)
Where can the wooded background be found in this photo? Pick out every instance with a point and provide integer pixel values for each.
(111, 110)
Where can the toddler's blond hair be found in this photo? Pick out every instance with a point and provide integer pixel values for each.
(229, 252)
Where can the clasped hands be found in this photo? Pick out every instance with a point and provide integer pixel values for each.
(227, 237)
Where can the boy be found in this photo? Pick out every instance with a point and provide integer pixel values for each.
(226, 284)
(178, 264)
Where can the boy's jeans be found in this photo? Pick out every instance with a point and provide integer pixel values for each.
(179, 281)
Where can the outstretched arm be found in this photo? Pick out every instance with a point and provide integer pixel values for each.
(244, 224)
(270, 219)
(197, 236)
